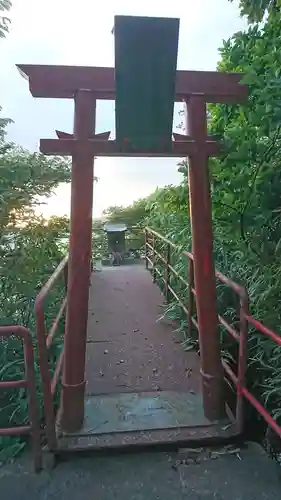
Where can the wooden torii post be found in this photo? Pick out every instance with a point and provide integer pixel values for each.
(85, 85)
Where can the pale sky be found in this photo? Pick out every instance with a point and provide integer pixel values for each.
(79, 33)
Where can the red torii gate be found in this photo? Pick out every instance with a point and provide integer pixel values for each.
(86, 85)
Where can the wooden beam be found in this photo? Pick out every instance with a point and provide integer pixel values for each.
(68, 147)
(65, 135)
(63, 81)
(185, 138)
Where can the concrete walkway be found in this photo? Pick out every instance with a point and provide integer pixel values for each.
(128, 350)
(142, 386)
(225, 475)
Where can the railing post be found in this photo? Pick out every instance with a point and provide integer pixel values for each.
(32, 402)
(153, 259)
(167, 273)
(45, 377)
(146, 248)
(242, 361)
(190, 307)
(65, 276)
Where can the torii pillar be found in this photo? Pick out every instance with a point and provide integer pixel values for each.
(79, 269)
(80, 249)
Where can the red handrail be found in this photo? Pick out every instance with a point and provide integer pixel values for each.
(44, 340)
(263, 329)
(239, 335)
(29, 383)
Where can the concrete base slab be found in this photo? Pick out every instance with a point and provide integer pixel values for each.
(142, 411)
(132, 420)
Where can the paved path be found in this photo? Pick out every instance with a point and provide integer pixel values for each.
(250, 475)
(135, 357)
(128, 350)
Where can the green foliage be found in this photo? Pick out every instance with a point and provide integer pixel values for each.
(25, 177)
(5, 5)
(131, 215)
(29, 256)
(246, 178)
(99, 244)
(246, 193)
(134, 216)
(30, 250)
(255, 10)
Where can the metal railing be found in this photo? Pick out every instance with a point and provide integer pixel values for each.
(152, 256)
(29, 384)
(44, 341)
